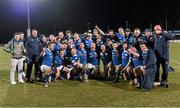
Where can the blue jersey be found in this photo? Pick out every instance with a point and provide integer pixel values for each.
(105, 57)
(116, 57)
(120, 37)
(137, 61)
(144, 56)
(149, 59)
(82, 36)
(88, 43)
(104, 39)
(93, 57)
(82, 56)
(73, 59)
(47, 58)
(57, 48)
(65, 52)
(125, 58)
(93, 37)
(99, 43)
(58, 60)
(77, 43)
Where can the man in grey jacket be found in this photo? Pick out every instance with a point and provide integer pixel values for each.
(16, 47)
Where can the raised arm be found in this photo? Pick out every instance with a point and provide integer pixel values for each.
(43, 52)
(100, 31)
(133, 53)
(168, 36)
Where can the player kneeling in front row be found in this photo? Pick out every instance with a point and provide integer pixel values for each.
(116, 60)
(148, 69)
(58, 63)
(126, 64)
(47, 62)
(75, 67)
(106, 57)
(92, 68)
(136, 62)
(82, 54)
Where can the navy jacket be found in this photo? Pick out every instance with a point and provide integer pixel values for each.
(136, 40)
(32, 45)
(149, 61)
(162, 45)
(149, 41)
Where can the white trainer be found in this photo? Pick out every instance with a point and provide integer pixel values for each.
(13, 82)
(157, 83)
(46, 85)
(21, 81)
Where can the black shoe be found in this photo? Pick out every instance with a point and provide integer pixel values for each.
(27, 81)
(115, 80)
(144, 90)
(164, 84)
(32, 81)
(171, 69)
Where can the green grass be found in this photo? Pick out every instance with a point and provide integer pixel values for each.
(93, 94)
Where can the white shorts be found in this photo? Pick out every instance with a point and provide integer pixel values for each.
(59, 68)
(90, 66)
(138, 67)
(81, 65)
(45, 68)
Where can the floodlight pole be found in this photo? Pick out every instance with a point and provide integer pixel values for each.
(28, 20)
(127, 24)
(151, 27)
(88, 25)
(166, 22)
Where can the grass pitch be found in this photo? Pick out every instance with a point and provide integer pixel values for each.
(91, 94)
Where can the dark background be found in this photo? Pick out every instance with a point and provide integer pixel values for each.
(51, 16)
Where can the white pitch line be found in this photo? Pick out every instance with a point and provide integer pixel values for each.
(175, 61)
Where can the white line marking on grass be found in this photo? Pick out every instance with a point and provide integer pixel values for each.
(175, 61)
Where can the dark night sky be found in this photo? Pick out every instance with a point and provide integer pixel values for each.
(75, 14)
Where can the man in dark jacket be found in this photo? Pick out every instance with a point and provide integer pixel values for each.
(149, 38)
(137, 38)
(162, 54)
(33, 51)
(149, 67)
(147, 71)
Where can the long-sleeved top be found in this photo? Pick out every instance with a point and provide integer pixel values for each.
(149, 61)
(32, 45)
(16, 48)
(162, 45)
